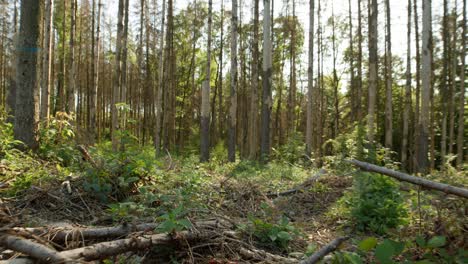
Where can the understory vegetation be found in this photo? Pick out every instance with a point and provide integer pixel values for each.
(387, 222)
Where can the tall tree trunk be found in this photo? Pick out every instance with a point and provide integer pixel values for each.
(221, 114)
(11, 94)
(94, 91)
(453, 85)
(159, 95)
(336, 95)
(205, 105)
(123, 84)
(415, 150)
(352, 89)
(47, 61)
(373, 71)
(310, 82)
(278, 123)
(359, 66)
(217, 128)
(117, 76)
(444, 87)
(318, 101)
(267, 81)
(61, 100)
(253, 121)
(72, 72)
(322, 107)
(141, 68)
(407, 97)
(461, 107)
(169, 82)
(291, 103)
(360, 128)
(233, 94)
(389, 82)
(27, 74)
(422, 163)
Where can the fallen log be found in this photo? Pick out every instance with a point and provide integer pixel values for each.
(107, 249)
(262, 255)
(203, 230)
(61, 235)
(18, 261)
(332, 246)
(449, 189)
(32, 249)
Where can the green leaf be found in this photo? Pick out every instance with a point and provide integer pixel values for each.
(425, 261)
(420, 241)
(283, 235)
(437, 241)
(185, 223)
(311, 248)
(353, 258)
(398, 247)
(273, 237)
(368, 244)
(167, 226)
(132, 179)
(384, 252)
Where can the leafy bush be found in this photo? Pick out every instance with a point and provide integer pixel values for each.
(174, 221)
(292, 151)
(417, 251)
(126, 211)
(118, 173)
(7, 141)
(56, 140)
(376, 204)
(277, 235)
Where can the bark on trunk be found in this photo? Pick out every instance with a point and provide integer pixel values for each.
(443, 86)
(159, 94)
(453, 87)
(95, 68)
(71, 59)
(253, 121)
(117, 77)
(233, 94)
(422, 163)
(205, 104)
(389, 82)
(373, 71)
(47, 62)
(407, 99)
(461, 107)
(332, 246)
(449, 189)
(27, 74)
(310, 82)
(267, 81)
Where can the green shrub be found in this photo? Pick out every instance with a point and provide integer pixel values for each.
(276, 235)
(413, 251)
(174, 221)
(57, 140)
(376, 204)
(292, 151)
(118, 174)
(7, 140)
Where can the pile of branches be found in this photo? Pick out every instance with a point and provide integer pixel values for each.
(56, 244)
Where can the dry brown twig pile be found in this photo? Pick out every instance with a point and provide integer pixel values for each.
(73, 245)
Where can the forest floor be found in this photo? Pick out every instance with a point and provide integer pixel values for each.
(65, 203)
(274, 214)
